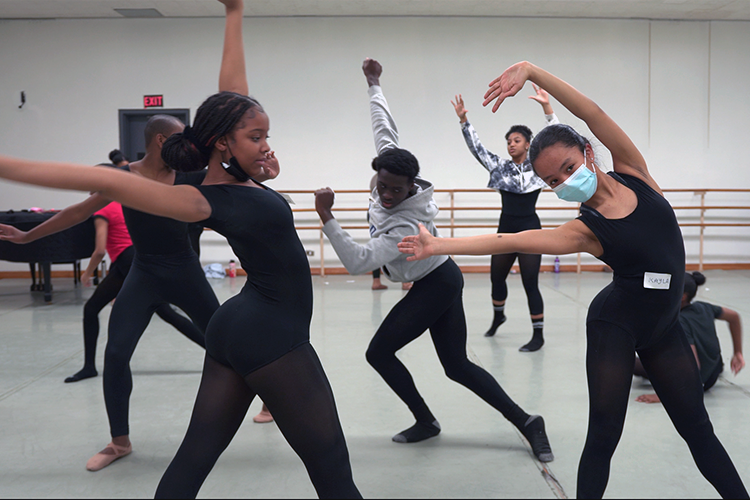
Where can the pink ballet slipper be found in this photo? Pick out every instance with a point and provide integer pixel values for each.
(263, 417)
(101, 460)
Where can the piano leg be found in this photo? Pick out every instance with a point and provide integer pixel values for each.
(32, 266)
(46, 271)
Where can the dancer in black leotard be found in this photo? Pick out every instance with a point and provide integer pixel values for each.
(434, 303)
(165, 270)
(112, 237)
(519, 187)
(258, 342)
(626, 222)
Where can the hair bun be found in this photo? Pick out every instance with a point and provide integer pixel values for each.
(698, 277)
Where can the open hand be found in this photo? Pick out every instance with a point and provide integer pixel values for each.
(460, 108)
(12, 234)
(419, 246)
(542, 97)
(507, 85)
(737, 363)
(271, 167)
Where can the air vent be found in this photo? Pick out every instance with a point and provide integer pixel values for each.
(139, 12)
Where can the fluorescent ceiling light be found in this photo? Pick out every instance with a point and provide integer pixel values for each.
(139, 12)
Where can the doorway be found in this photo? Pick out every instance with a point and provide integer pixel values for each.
(133, 123)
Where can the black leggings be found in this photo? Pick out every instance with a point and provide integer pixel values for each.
(674, 375)
(152, 281)
(107, 291)
(501, 264)
(435, 303)
(296, 391)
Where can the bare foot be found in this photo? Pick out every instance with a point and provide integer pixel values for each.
(377, 285)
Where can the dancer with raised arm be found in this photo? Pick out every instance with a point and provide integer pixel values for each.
(519, 188)
(401, 201)
(258, 341)
(626, 222)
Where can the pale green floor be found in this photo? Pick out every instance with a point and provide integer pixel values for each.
(49, 429)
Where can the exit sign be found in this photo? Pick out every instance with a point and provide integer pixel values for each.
(153, 101)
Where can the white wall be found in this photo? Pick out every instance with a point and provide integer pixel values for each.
(678, 88)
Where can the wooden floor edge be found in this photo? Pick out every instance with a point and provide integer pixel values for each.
(333, 271)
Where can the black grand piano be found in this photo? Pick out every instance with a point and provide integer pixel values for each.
(65, 247)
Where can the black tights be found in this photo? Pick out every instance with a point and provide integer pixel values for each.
(500, 266)
(435, 303)
(106, 292)
(296, 391)
(150, 283)
(674, 375)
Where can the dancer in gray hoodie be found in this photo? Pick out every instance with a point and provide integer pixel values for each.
(402, 201)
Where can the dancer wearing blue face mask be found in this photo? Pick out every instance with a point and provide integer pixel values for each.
(626, 222)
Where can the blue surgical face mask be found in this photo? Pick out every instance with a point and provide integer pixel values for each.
(580, 186)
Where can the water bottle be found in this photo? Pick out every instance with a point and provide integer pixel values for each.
(232, 269)
(557, 264)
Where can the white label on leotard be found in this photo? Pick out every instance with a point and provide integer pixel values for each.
(658, 281)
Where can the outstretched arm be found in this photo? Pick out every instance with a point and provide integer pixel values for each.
(233, 75)
(571, 237)
(68, 217)
(625, 155)
(384, 128)
(542, 97)
(735, 329)
(181, 202)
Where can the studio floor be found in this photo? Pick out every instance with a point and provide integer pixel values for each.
(49, 429)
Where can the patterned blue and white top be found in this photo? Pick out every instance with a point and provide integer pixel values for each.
(504, 174)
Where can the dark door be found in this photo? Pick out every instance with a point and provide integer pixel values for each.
(133, 123)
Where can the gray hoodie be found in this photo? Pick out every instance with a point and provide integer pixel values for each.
(387, 228)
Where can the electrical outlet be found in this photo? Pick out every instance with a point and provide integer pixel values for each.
(310, 253)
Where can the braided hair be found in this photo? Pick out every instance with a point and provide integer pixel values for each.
(190, 150)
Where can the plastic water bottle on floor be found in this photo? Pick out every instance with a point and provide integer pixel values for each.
(557, 264)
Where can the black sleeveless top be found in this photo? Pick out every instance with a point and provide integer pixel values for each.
(155, 235)
(645, 250)
(519, 204)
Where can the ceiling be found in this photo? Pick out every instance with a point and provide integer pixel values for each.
(737, 10)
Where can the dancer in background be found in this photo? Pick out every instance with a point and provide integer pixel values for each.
(435, 301)
(626, 222)
(698, 322)
(519, 188)
(117, 158)
(112, 238)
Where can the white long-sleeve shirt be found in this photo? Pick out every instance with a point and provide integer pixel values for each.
(504, 174)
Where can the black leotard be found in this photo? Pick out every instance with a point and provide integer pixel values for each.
(173, 235)
(646, 241)
(638, 311)
(271, 315)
